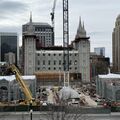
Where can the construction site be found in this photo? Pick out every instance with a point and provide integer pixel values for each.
(63, 94)
(52, 87)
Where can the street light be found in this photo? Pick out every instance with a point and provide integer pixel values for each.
(31, 114)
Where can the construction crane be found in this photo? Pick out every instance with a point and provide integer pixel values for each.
(52, 17)
(24, 87)
(66, 42)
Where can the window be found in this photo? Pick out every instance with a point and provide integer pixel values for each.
(49, 62)
(38, 54)
(60, 62)
(43, 62)
(43, 54)
(75, 62)
(54, 62)
(75, 54)
(48, 54)
(54, 54)
(54, 68)
(64, 62)
(38, 62)
(75, 68)
(49, 68)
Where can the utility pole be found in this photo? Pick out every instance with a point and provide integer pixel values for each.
(66, 42)
(31, 114)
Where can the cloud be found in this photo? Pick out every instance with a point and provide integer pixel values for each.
(98, 15)
(10, 8)
(12, 12)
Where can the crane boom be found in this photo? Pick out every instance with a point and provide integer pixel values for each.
(52, 18)
(53, 13)
(24, 87)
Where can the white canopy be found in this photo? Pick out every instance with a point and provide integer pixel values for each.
(110, 75)
(68, 93)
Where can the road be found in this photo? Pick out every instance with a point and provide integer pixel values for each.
(57, 116)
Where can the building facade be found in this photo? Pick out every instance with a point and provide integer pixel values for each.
(82, 45)
(100, 51)
(10, 89)
(9, 43)
(108, 87)
(29, 49)
(116, 45)
(51, 59)
(99, 65)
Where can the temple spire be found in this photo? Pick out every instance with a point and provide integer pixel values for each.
(83, 26)
(30, 17)
(80, 24)
(30, 27)
(81, 30)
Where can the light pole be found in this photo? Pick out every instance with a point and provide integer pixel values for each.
(31, 114)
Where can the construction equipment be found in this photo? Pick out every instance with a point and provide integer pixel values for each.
(24, 87)
(53, 13)
(52, 17)
(66, 42)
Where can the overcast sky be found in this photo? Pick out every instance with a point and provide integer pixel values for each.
(99, 17)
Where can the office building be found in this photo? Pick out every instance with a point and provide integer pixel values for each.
(9, 44)
(99, 65)
(100, 51)
(51, 58)
(116, 45)
(43, 32)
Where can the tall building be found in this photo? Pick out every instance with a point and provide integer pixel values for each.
(116, 45)
(51, 58)
(82, 44)
(100, 51)
(9, 43)
(44, 33)
(29, 49)
(99, 65)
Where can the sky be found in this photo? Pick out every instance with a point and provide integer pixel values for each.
(99, 17)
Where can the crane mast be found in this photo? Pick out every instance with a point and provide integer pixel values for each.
(66, 42)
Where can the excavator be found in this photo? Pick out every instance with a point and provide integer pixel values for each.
(29, 99)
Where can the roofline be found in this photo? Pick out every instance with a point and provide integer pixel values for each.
(81, 39)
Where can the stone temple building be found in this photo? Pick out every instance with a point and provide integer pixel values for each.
(51, 58)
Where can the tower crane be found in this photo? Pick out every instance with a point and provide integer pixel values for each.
(52, 17)
(66, 42)
(65, 38)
